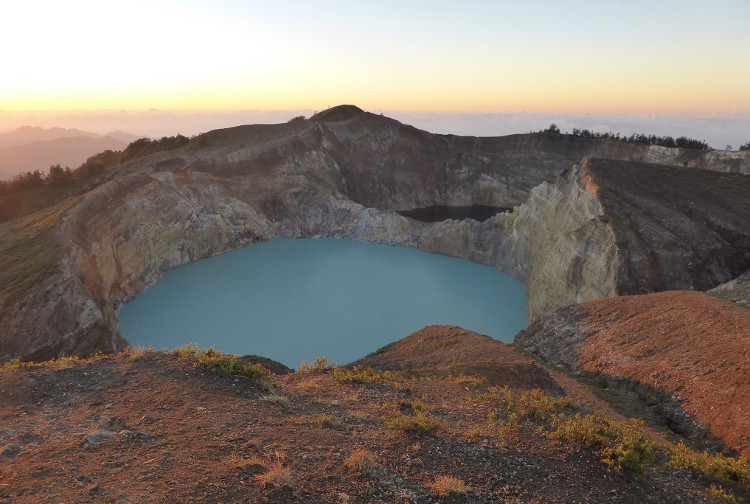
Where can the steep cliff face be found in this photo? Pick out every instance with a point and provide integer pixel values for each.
(715, 160)
(611, 228)
(570, 238)
(561, 245)
(689, 226)
(606, 228)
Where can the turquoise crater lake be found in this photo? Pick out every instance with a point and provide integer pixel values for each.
(295, 300)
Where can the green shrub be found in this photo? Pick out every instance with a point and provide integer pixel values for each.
(720, 493)
(320, 364)
(420, 420)
(534, 403)
(224, 363)
(621, 444)
(470, 381)
(537, 403)
(724, 469)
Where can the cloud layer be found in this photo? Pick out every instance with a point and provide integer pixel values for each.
(717, 130)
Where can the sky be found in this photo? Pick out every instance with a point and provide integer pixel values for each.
(411, 58)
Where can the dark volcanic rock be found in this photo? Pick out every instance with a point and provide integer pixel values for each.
(338, 113)
(676, 228)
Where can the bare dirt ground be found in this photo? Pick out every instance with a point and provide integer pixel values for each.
(152, 427)
(691, 344)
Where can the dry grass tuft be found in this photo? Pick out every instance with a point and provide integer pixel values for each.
(360, 460)
(326, 420)
(241, 462)
(420, 421)
(445, 485)
(276, 399)
(277, 476)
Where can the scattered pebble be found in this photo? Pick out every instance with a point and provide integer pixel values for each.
(10, 451)
(7, 432)
(115, 424)
(98, 436)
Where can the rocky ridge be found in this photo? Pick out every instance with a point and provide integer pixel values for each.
(580, 230)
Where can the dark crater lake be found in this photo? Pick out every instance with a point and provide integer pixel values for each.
(296, 300)
(437, 213)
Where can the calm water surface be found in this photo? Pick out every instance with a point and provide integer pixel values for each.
(295, 300)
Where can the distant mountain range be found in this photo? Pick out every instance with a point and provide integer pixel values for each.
(30, 148)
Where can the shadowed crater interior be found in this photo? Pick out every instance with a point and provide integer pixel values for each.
(436, 213)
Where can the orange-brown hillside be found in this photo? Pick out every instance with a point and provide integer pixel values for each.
(153, 427)
(690, 344)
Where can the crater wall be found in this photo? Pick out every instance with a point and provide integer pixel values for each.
(566, 238)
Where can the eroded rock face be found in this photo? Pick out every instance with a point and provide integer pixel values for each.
(562, 246)
(675, 228)
(738, 290)
(569, 237)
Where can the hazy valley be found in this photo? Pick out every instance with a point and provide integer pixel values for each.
(28, 148)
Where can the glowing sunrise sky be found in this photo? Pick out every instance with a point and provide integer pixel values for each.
(596, 56)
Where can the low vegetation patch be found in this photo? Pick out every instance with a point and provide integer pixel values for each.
(240, 462)
(469, 381)
(356, 374)
(474, 431)
(26, 259)
(446, 485)
(535, 403)
(716, 466)
(61, 363)
(624, 445)
(418, 420)
(718, 492)
(319, 364)
(224, 363)
(361, 460)
(360, 374)
(326, 420)
(277, 399)
(277, 476)
(621, 445)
